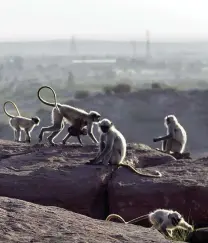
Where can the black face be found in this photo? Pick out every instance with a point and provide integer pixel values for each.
(96, 118)
(35, 120)
(104, 129)
(168, 120)
(175, 220)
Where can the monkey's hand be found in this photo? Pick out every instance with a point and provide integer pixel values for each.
(155, 140)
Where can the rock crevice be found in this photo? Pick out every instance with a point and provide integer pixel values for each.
(58, 176)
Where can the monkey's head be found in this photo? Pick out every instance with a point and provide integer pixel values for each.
(84, 131)
(36, 120)
(105, 125)
(175, 218)
(170, 119)
(95, 116)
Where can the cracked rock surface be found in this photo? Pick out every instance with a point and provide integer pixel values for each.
(58, 176)
(26, 222)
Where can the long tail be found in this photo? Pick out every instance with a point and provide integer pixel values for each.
(115, 216)
(146, 216)
(141, 173)
(44, 101)
(6, 112)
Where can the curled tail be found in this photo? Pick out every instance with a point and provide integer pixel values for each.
(6, 112)
(115, 216)
(141, 173)
(44, 101)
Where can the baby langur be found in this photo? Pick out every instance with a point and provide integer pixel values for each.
(165, 221)
(68, 113)
(176, 138)
(113, 148)
(19, 123)
(76, 130)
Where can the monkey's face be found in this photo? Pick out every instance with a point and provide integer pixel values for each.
(170, 119)
(84, 131)
(36, 120)
(105, 125)
(175, 218)
(95, 116)
(104, 129)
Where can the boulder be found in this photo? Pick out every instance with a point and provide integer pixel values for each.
(146, 156)
(58, 176)
(182, 187)
(25, 222)
(55, 176)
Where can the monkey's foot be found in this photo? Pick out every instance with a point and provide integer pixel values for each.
(53, 144)
(63, 142)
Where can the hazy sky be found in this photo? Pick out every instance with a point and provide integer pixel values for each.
(109, 19)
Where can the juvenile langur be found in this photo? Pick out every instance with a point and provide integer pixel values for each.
(19, 123)
(76, 130)
(68, 113)
(163, 220)
(113, 148)
(176, 138)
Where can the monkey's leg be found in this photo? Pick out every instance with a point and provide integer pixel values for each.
(164, 144)
(53, 128)
(66, 138)
(168, 146)
(79, 139)
(28, 137)
(54, 134)
(164, 231)
(176, 146)
(114, 158)
(17, 135)
(108, 158)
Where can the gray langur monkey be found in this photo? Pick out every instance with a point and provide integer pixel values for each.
(165, 221)
(176, 138)
(18, 123)
(113, 148)
(76, 130)
(68, 113)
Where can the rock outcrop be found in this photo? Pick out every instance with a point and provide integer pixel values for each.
(58, 176)
(25, 222)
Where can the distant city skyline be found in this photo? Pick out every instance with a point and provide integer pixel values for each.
(166, 20)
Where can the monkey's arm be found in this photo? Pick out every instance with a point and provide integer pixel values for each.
(163, 138)
(183, 224)
(108, 148)
(90, 132)
(163, 230)
(101, 147)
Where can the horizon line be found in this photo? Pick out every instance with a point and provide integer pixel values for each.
(127, 39)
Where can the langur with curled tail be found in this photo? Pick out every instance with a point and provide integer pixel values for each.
(78, 129)
(165, 221)
(68, 113)
(176, 138)
(18, 123)
(113, 148)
